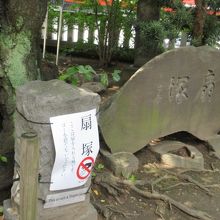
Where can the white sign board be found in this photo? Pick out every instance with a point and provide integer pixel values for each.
(66, 198)
(76, 141)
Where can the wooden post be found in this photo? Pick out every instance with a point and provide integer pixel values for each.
(59, 34)
(45, 34)
(29, 165)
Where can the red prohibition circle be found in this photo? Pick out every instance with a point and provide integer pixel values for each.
(84, 167)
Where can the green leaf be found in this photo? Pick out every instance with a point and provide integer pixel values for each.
(115, 75)
(104, 79)
(63, 77)
(87, 76)
(93, 174)
(132, 178)
(3, 159)
(89, 68)
(81, 69)
(68, 74)
(71, 71)
(74, 82)
(86, 72)
(100, 166)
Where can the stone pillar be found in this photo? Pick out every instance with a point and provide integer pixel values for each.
(36, 102)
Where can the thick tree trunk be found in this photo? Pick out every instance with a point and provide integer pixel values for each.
(147, 10)
(199, 22)
(20, 25)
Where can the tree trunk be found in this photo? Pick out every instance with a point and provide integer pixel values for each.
(20, 25)
(200, 16)
(147, 10)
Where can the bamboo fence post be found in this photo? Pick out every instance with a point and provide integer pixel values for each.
(29, 164)
(59, 34)
(45, 34)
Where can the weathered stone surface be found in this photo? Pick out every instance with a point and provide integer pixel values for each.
(79, 211)
(215, 143)
(37, 101)
(194, 160)
(52, 98)
(9, 212)
(121, 163)
(94, 87)
(176, 91)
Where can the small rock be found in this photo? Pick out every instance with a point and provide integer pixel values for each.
(96, 87)
(121, 163)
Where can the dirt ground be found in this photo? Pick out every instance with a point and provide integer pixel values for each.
(196, 190)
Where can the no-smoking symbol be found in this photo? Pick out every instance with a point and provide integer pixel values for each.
(84, 168)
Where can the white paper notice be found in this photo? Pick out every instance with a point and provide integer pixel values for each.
(76, 141)
(65, 198)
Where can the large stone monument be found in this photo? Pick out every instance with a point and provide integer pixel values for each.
(176, 91)
(37, 102)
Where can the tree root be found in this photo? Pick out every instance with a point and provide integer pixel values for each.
(190, 180)
(157, 212)
(175, 185)
(182, 176)
(213, 186)
(112, 180)
(108, 210)
(192, 212)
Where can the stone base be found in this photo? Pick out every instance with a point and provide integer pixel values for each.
(194, 161)
(9, 212)
(77, 211)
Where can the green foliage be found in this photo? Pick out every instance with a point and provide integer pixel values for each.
(152, 34)
(152, 30)
(3, 159)
(121, 15)
(53, 16)
(76, 75)
(93, 174)
(81, 49)
(213, 4)
(87, 71)
(116, 75)
(99, 167)
(107, 20)
(181, 19)
(132, 178)
(104, 79)
(124, 54)
(211, 30)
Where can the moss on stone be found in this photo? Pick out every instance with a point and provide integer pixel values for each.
(19, 22)
(16, 49)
